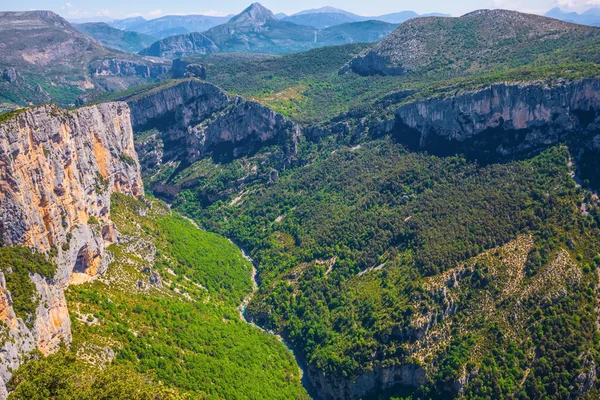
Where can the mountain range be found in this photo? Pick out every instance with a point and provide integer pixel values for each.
(329, 16)
(321, 18)
(589, 17)
(257, 30)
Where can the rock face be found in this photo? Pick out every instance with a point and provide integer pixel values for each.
(377, 380)
(197, 118)
(58, 170)
(185, 69)
(504, 119)
(122, 68)
(181, 46)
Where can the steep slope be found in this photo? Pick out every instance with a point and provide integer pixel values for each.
(475, 42)
(58, 171)
(185, 121)
(127, 41)
(257, 30)
(181, 46)
(50, 60)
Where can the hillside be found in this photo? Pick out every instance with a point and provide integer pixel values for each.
(129, 42)
(45, 59)
(479, 41)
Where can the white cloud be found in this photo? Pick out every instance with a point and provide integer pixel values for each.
(516, 5)
(577, 5)
(103, 13)
(67, 6)
(155, 13)
(215, 13)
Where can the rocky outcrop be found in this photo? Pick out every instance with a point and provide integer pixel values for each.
(185, 69)
(122, 68)
(197, 118)
(332, 388)
(58, 170)
(181, 46)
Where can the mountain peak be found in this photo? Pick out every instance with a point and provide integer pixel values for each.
(255, 13)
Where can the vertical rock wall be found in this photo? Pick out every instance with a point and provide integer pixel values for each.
(58, 170)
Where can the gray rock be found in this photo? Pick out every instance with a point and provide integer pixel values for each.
(196, 118)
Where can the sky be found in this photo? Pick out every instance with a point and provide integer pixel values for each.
(74, 9)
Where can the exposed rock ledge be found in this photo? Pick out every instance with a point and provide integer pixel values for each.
(197, 118)
(58, 170)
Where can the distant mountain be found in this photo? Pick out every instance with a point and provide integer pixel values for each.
(321, 20)
(170, 25)
(590, 17)
(88, 20)
(592, 12)
(355, 32)
(330, 10)
(328, 16)
(130, 42)
(181, 46)
(481, 41)
(280, 15)
(127, 24)
(403, 16)
(257, 30)
(45, 59)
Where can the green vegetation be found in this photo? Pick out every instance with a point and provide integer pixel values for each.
(17, 264)
(164, 320)
(62, 376)
(355, 248)
(308, 87)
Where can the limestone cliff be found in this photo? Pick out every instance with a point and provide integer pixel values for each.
(197, 118)
(124, 68)
(503, 119)
(58, 170)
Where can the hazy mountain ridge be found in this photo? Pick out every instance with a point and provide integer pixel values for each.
(257, 30)
(127, 41)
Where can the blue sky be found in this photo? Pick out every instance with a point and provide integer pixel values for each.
(155, 8)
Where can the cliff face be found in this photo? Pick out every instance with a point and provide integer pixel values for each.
(122, 68)
(58, 170)
(379, 379)
(504, 120)
(196, 118)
